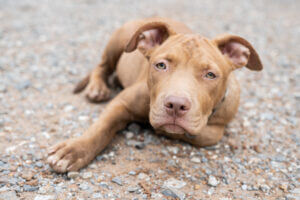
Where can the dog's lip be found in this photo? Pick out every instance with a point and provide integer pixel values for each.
(174, 126)
(184, 132)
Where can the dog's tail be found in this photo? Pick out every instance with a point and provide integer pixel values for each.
(82, 84)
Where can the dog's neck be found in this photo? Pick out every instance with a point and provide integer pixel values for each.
(218, 105)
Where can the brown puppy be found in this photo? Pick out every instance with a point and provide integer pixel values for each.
(178, 80)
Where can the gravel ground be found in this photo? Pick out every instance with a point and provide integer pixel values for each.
(47, 46)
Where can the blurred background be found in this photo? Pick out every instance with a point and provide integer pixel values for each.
(48, 46)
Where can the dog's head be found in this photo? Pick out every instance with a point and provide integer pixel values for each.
(187, 74)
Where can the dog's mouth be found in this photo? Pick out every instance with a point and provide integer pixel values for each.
(177, 129)
(173, 128)
(177, 126)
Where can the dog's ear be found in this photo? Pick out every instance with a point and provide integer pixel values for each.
(239, 51)
(149, 35)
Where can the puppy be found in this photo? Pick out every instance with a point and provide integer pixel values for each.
(179, 81)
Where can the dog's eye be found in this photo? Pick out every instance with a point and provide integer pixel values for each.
(161, 66)
(210, 75)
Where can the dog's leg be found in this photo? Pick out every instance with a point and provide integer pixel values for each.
(210, 135)
(96, 83)
(74, 154)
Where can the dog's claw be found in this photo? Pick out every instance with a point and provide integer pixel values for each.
(52, 160)
(62, 165)
(69, 155)
(51, 150)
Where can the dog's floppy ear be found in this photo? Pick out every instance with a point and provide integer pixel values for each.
(239, 51)
(148, 36)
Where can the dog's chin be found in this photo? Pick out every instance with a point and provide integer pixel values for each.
(178, 129)
(173, 129)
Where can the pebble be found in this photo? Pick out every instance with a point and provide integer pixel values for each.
(284, 187)
(173, 150)
(211, 148)
(4, 188)
(174, 183)
(134, 127)
(104, 185)
(87, 175)
(195, 160)
(165, 152)
(23, 85)
(212, 181)
(133, 189)
(173, 193)
(39, 164)
(83, 118)
(84, 186)
(4, 180)
(73, 175)
(102, 157)
(129, 135)
(197, 187)
(9, 195)
(117, 180)
(43, 190)
(68, 108)
(45, 197)
(266, 116)
(29, 188)
(156, 195)
(211, 191)
(27, 175)
(264, 188)
(143, 176)
(296, 191)
(97, 195)
(132, 173)
(2, 122)
(244, 187)
(136, 144)
(2, 88)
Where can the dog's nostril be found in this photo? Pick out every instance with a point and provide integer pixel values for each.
(169, 105)
(182, 108)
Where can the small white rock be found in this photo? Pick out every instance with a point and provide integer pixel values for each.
(83, 118)
(143, 176)
(68, 108)
(212, 181)
(244, 187)
(196, 160)
(44, 197)
(174, 183)
(47, 136)
(210, 191)
(173, 150)
(129, 135)
(73, 175)
(87, 175)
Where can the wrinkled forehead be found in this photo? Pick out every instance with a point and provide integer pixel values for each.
(186, 48)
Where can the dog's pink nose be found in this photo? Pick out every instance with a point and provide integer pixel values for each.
(177, 106)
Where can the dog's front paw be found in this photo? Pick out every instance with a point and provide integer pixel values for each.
(70, 155)
(97, 91)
